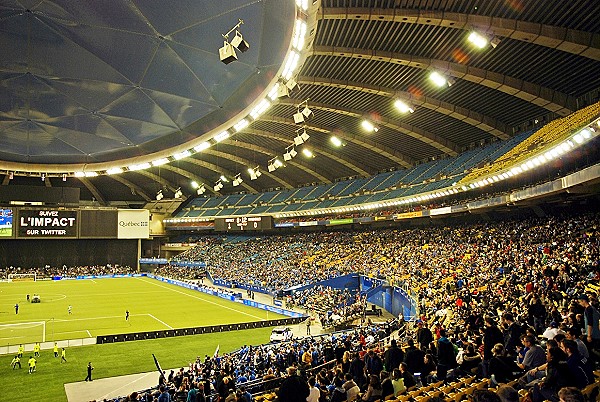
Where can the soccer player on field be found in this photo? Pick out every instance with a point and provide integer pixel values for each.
(16, 361)
(21, 350)
(63, 355)
(31, 364)
(36, 349)
(55, 349)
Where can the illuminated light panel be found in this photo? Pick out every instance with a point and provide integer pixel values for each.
(299, 34)
(140, 166)
(367, 125)
(290, 65)
(336, 141)
(307, 152)
(260, 109)
(159, 162)
(438, 79)
(114, 171)
(195, 184)
(202, 147)
(222, 136)
(181, 155)
(403, 107)
(274, 91)
(303, 4)
(240, 125)
(79, 174)
(91, 174)
(478, 40)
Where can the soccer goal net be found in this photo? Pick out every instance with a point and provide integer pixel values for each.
(21, 277)
(23, 332)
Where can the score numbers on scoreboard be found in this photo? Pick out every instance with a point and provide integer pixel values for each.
(243, 223)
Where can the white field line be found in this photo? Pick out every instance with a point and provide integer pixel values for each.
(200, 298)
(161, 321)
(88, 332)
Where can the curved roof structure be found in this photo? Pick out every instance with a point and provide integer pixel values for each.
(102, 84)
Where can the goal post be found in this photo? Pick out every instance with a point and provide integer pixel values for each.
(22, 277)
(23, 332)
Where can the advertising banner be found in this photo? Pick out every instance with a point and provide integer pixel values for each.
(47, 223)
(134, 224)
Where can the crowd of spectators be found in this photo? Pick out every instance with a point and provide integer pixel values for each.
(490, 290)
(69, 272)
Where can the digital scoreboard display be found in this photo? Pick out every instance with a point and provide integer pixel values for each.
(243, 223)
(47, 223)
(6, 222)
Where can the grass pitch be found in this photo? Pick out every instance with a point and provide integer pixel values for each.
(98, 308)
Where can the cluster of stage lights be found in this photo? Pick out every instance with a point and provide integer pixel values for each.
(535, 161)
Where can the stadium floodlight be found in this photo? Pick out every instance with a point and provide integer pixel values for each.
(291, 84)
(438, 79)
(298, 117)
(308, 153)
(139, 166)
(403, 107)
(195, 184)
(478, 40)
(178, 193)
(367, 125)
(336, 141)
(221, 136)
(201, 190)
(159, 195)
(240, 125)
(182, 154)
(201, 147)
(218, 185)
(223, 178)
(271, 167)
(494, 42)
(254, 173)
(160, 161)
(307, 112)
(277, 163)
(227, 52)
(115, 170)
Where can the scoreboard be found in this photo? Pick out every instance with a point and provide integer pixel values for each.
(243, 223)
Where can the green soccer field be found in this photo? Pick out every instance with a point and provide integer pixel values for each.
(99, 305)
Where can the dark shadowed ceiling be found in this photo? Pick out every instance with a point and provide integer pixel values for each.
(94, 82)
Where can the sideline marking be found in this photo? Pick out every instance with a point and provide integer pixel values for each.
(204, 300)
(88, 331)
(161, 321)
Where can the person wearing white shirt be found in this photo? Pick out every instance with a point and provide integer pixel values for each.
(315, 393)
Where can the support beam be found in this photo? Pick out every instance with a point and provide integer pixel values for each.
(158, 179)
(271, 154)
(384, 151)
(190, 176)
(95, 192)
(547, 98)
(140, 191)
(581, 43)
(440, 143)
(247, 164)
(211, 166)
(353, 165)
(480, 121)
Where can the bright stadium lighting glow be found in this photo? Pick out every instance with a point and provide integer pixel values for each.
(159, 162)
(181, 155)
(336, 141)
(438, 79)
(478, 40)
(240, 125)
(115, 170)
(139, 166)
(403, 107)
(222, 136)
(201, 147)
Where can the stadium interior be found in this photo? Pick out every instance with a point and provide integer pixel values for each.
(293, 200)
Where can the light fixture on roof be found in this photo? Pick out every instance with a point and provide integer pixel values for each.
(403, 107)
(308, 153)
(301, 136)
(159, 195)
(254, 173)
(227, 52)
(336, 141)
(495, 41)
(367, 125)
(303, 114)
(201, 147)
(438, 79)
(201, 190)
(178, 193)
(115, 170)
(291, 153)
(223, 178)
(478, 40)
(218, 185)
(237, 180)
(195, 184)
